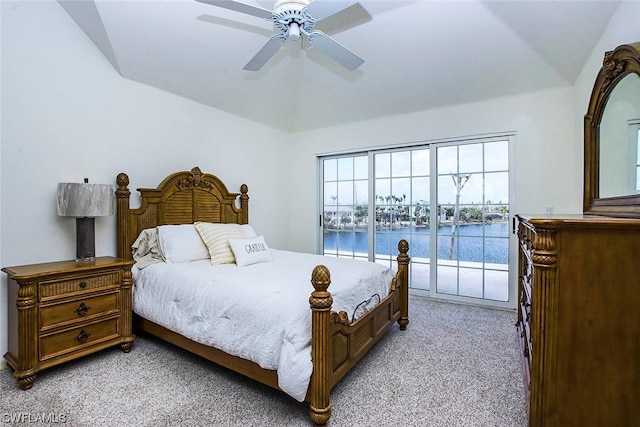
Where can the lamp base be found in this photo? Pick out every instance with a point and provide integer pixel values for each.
(85, 239)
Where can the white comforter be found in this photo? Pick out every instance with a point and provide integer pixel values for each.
(259, 312)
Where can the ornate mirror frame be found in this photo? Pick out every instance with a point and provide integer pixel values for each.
(617, 64)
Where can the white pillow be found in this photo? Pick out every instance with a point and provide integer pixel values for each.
(181, 243)
(216, 237)
(249, 232)
(250, 251)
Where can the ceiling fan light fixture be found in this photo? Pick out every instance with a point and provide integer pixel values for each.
(294, 31)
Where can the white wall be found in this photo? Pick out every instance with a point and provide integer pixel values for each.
(67, 114)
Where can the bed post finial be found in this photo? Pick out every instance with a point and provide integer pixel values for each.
(403, 269)
(321, 346)
(244, 202)
(122, 205)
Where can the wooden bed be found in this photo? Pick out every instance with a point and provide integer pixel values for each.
(337, 344)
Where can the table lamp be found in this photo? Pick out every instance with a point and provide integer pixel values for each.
(85, 201)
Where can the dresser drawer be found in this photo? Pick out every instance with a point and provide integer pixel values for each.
(70, 285)
(73, 339)
(77, 310)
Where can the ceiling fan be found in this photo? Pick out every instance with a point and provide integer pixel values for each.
(294, 18)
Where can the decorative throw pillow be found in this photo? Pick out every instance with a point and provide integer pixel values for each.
(216, 237)
(250, 251)
(181, 243)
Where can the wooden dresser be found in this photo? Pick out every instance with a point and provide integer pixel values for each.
(579, 319)
(59, 311)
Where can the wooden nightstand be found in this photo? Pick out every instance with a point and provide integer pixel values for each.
(59, 311)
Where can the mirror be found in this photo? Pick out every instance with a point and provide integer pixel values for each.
(612, 136)
(619, 140)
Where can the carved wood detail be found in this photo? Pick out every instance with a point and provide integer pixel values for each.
(611, 69)
(197, 179)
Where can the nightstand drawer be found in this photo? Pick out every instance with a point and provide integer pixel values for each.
(70, 340)
(77, 310)
(55, 288)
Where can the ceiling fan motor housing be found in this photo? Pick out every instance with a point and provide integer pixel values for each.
(287, 12)
(282, 5)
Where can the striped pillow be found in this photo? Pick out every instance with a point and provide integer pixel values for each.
(216, 237)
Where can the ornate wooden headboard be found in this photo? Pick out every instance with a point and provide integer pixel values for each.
(181, 198)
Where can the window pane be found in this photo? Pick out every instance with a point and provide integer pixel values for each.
(497, 187)
(345, 192)
(361, 167)
(446, 190)
(470, 187)
(470, 158)
(447, 280)
(471, 216)
(496, 156)
(383, 191)
(447, 160)
(361, 194)
(401, 163)
(420, 191)
(330, 193)
(383, 165)
(345, 168)
(472, 285)
(497, 249)
(400, 189)
(330, 170)
(420, 162)
(494, 285)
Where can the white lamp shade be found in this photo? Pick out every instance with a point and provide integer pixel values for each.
(84, 200)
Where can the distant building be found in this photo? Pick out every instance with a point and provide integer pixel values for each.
(334, 215)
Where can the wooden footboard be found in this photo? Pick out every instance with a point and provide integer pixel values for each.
(338, 344)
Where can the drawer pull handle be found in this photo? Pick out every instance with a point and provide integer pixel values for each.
(82, 309)
(82, 337)
(83, 285)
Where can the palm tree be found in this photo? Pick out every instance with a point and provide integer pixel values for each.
(459, 181)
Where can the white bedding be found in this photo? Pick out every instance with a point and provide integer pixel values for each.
(258, 312)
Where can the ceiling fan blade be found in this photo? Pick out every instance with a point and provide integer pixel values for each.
(320, 9)
(335, 50)
(241, 7)
(266, 53)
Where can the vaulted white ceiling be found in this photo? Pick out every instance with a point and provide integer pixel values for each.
(418, 54)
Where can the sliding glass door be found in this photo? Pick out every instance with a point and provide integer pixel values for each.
(450, 201)
(473, 220)
(402, 209)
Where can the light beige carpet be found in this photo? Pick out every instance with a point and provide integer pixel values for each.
(455, 365)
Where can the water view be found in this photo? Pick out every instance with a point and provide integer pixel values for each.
(468, 244)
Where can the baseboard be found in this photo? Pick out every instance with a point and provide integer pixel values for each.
(3, 364)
